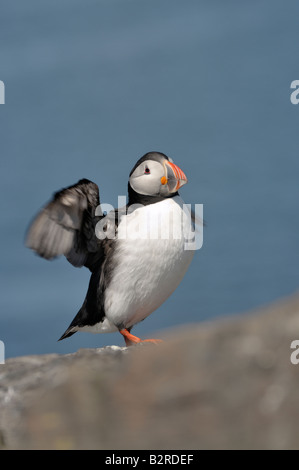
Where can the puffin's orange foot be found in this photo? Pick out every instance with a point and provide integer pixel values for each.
(131, 339)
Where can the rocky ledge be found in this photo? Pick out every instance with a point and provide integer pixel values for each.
(229, 384)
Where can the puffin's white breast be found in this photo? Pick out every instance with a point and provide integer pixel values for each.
(150, 261)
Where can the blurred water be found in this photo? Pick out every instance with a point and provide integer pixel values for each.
(91, 86)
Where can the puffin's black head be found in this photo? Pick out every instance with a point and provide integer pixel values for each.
(153, 178)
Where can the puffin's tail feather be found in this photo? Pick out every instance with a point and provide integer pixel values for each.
(69, 332)
(77, 322)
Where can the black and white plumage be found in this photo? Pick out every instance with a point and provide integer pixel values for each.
(136, 255)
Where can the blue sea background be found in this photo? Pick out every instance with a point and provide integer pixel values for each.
(93, 85)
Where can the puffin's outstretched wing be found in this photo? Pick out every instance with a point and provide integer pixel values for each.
(66, 226)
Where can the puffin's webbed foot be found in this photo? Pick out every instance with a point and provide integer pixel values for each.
(131, 339)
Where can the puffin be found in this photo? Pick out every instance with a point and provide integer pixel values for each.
(136, 254)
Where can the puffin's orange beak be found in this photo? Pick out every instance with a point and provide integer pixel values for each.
(175, 177)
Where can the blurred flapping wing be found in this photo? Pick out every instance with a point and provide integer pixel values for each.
(66, 225)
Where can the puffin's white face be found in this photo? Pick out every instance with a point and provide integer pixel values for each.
(155, 178)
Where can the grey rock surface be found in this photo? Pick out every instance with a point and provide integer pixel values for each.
(229, 384)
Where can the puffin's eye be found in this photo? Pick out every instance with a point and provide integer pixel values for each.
(147, 171)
